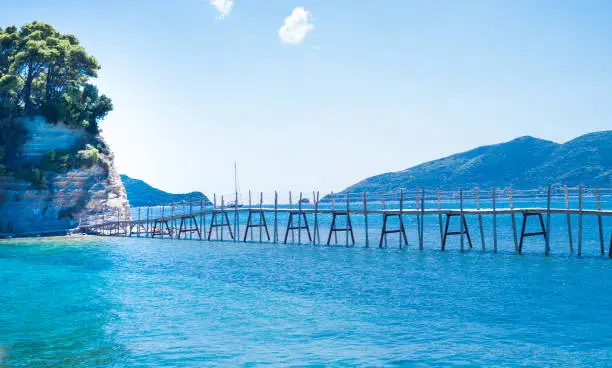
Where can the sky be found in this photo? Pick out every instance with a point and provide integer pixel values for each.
(317, 94)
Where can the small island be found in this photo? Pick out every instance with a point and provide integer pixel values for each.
(54, 165)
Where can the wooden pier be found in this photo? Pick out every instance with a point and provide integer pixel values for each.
(533, 208)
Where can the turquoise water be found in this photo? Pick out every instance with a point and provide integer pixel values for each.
(141, 302)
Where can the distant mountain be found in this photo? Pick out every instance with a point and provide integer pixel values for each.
(140, 193)
(523, 163)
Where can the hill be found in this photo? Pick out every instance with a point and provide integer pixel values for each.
(140, 193)
(523, 163)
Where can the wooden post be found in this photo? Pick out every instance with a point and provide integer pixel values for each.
(148, 219)
(382, 197)
(250, 209)
(138, 227)
(461, 217)
(418, 216)
(482, 238)
(173, 218)
(223, 210)
(236, 217)
(300, 220)
(547, 237)
(182, 218)
(422, 218)
(203, 231)
(214, 216)
(333, 205)
(204, 221)
(439, 215)
(348, 207)
(599, 222)
(276, 216)
(162, 216)
(513, 219)
(401, 215)
(318, 229)
(290, 208)
(568, 217)
(261, 216)
(191, 215)
(365, 218)
(580, 220)
(494, 221)
(315, 199)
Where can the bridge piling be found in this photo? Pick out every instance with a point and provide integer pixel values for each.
(155, 222)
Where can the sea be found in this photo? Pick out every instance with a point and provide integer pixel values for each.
(88, 301)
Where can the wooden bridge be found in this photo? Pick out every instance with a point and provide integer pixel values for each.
(202, 222)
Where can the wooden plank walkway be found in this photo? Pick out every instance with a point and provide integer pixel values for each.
(194, 222)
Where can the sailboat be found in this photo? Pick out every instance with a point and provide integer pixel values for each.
(233, 203)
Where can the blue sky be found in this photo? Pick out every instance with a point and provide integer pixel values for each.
(371, 87)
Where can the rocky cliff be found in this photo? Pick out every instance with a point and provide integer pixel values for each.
(75, 182)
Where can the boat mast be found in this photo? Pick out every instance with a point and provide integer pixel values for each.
(236, 181)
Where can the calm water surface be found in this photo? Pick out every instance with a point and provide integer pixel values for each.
(140, 302)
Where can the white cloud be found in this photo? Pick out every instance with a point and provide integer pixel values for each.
(296, 27)
(223, 6)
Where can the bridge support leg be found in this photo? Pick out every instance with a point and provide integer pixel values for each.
(250, 224)
(184, 229)
(225, 223)
(526, 234)
(160, 231)
(401, 230)
(334, 229)
(447, 233)
(300, 227)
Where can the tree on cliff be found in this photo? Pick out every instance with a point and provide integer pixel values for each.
(45, 72)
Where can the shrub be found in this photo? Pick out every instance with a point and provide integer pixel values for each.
(50, 162)
(87, 157)
(64, 162)
(33, 176)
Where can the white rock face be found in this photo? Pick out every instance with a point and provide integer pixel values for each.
(45, 137)
(78, 195)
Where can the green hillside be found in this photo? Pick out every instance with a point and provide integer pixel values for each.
(140, 193)
(523, 163)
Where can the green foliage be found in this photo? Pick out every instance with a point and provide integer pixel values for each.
(87, 157)
(49, 162)
(45, 72)
(12, 135)
(79, 108)
(64, 163)
(51, 156)
(61, 161)
(33, 175)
